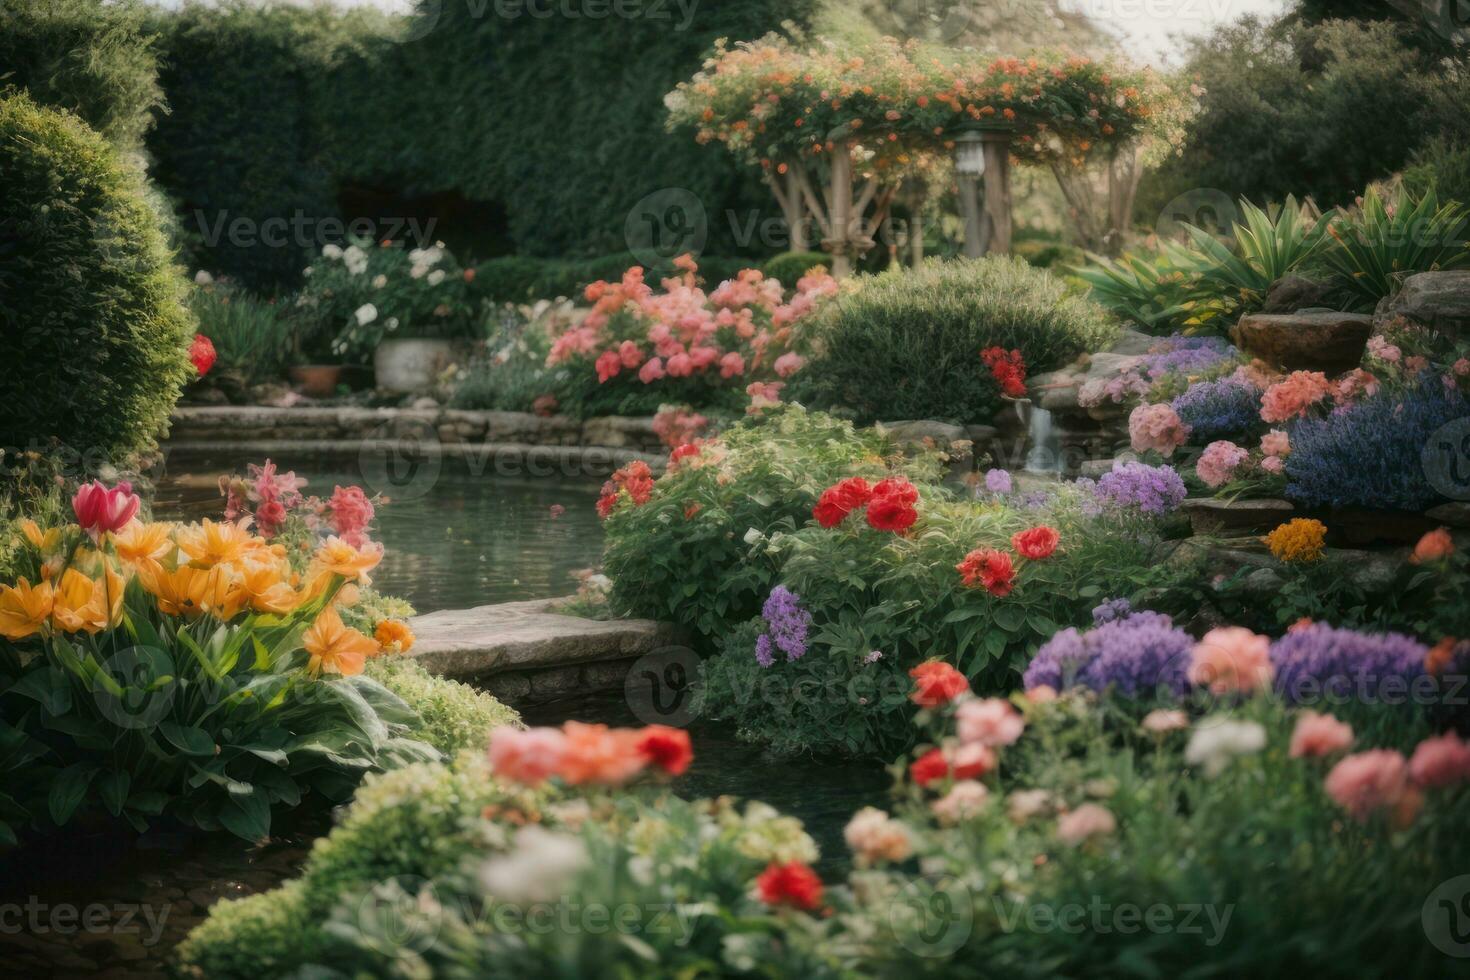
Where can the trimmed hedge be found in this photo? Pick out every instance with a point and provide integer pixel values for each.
(906, 344)
(94, 320)
(86, 56)
(788, 267)
(522, 278)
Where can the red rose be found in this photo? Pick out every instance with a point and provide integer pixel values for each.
(202, 353)
(841, 499)
(898, 487)
(792, 883)
(891, 514)
(989, 568)
(929, 767)
(1036, 543)
(936, 683)
(665, 747)
(970, 761)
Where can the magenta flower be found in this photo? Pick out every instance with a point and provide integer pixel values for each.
(101, 509)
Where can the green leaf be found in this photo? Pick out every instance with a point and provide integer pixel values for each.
(150, 801)
(113, 786)
(1009, 616)
(68, 790)
(248, 817)
(187, 738)
(7, 835)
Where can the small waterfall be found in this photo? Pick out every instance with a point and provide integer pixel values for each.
(1044, 454)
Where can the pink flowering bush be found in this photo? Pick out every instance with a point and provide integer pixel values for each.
(640, 347)
(1219, 462)
(273, 503)
(1157, 428)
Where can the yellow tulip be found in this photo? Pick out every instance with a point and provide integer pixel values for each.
(211, 543)
(336, 648)
(43, 541)
(190, 591)
(24, 608)
(84, 604)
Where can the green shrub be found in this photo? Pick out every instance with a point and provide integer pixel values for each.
(95, 313)
(788, 267)
(698, 570)
(252, 337)
(906, 344)
(89, 57)
(1046, 254)
(1442, 166)
(522, 278)
(454, 716)
(511, 373)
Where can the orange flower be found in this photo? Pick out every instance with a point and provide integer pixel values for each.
(89, 605)
(24, 609)
(190, 591)
(141, 544)
(266, 589)
(598, 754)
(335, 648)
(340, 558)
(209, 543)
(1433, 546)
(394, 635)
(43, 541)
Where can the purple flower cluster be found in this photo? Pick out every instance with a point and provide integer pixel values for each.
(786, 626)
(1113, 609)
(1141, 654)
(1321, 662)
(1219, 409)
(1187, 355)
(1152, 489)
(998, 481)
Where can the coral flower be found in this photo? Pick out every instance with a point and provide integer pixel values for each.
(793, 883)
(991, 721)
(1440, 761)
(266, 588)
(1433, 546)
(335, 648)
(1087, 821)
(1036, 543)
(1317, 735)
(1156, 427)
(528, 756)
(100, 509)
(141, 544)
(393, 635)
(1369, 782)
(83, 604)
(598, 754)
(1231, 660)
(990, 568)
(936, 683)
(874, 836)
(341, 558)
(667, 748)
(211, 543)
(24, 608)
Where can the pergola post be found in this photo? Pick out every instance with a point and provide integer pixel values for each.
(840, 242)
(997, 149)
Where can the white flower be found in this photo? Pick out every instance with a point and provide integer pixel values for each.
(203, 278)
(539, 867)
(379, 281)
(418, 271)
(365, 314)
(331, 252)
(436, 277)
(1218, 740)
(392, 323)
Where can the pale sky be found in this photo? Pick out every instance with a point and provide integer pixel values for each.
(1147, 29)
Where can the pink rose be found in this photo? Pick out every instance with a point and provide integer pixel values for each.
(1461, 367)
(629, 354)
(1231, 660)
(1317, 735)
(608, 365)
(1088, 820)
(1276, 443)
(1368, 782)
(1156, 427)
(680, 366)
(964, 800)
(651, 371)
(788, 364)
(1440, 761)
(731, 365)
(1218, 463)
(1162, 720)
(1292, 397)
(526, 755)
(991, 721)
(101, 509)
(1272, 464)
(703, 357)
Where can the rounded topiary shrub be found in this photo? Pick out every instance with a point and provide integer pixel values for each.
(906, 344)
(95, 328)
(789, 267)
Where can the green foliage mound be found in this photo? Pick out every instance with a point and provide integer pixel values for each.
(94, 309)
(906, 344)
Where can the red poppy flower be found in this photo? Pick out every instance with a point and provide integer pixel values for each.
(841, 499)
(989, 568)
(891, 514)
(792, 883)
(936, 683)
(665, 747)
(1036, 543)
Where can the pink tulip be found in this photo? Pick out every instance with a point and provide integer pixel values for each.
(100, 509)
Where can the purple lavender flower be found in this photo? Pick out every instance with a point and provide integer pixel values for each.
(1187, 355)
(763, 654)
(998, 481)
(1219, 409)
(1322, 662)
(1152, 489)
(786, 624)
(1143, 653)
(1111, 610)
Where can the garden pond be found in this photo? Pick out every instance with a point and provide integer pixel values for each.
(501, 545)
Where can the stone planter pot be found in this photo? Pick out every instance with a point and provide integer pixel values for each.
(408, 365)
(316, 380)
